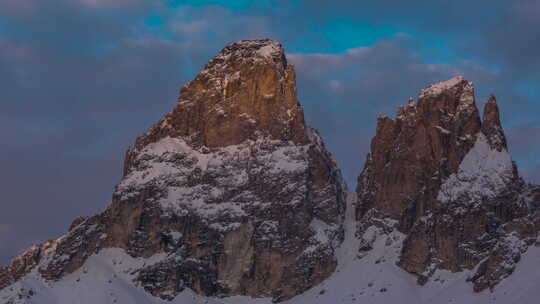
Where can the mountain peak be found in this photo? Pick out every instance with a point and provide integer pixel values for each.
(230, 193)
(247, 52)
(437, 169)
(245, 92)
(265, 48)
(437, 88)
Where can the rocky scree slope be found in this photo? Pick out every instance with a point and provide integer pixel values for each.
(444, 178)
(230, 193)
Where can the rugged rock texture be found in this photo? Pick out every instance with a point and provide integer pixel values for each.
(445, 179)
(426, 142)
(23, 264)
(246, 92)
(228, 194)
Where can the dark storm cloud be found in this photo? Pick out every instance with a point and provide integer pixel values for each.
(79, 79)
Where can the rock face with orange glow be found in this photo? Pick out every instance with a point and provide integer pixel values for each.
(248, 91)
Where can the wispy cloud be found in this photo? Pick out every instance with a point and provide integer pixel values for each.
(99, 4)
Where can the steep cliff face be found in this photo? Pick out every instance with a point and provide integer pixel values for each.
(426, 142)
(444, 177)
(230, 193)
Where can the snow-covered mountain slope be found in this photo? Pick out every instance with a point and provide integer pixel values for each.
(373, 278)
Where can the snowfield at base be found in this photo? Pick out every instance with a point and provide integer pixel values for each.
(373, 279)
(483, 173)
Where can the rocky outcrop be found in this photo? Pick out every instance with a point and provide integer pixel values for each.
(248, 91)
(426, 142)
(230, 193)
(445, 179)
(22, 264)
(491, 125)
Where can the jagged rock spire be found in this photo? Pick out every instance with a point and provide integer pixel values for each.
(491, 125)
(425, 143)
(445, 178)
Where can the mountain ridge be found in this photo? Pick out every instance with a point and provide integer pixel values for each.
(447, 180)
(232, 198)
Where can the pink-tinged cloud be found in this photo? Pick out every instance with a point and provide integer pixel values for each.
(4, 228)
(529, 9)
(15, 52)
(189, 28)
(5, 235)
(18, 7)
(197, 24)
(106, 3)
(521, 137)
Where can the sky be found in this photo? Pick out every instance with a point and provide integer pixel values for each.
(80, 79)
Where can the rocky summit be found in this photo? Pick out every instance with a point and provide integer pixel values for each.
(444, 178)
(231, 198)
(230, 193)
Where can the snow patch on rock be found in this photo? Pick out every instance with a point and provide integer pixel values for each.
(269, 50)
(483, 173)
(171, 163)
(439, 87)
